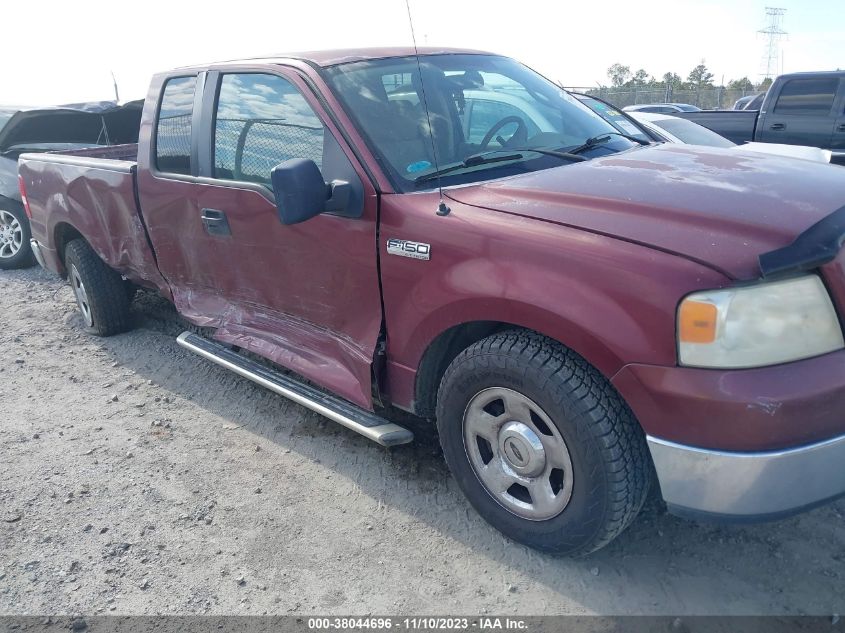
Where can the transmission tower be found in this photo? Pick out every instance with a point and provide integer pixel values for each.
(773, 32)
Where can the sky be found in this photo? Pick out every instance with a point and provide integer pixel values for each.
(65, 52)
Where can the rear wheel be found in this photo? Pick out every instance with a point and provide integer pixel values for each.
(100, 291)
(541, 444)
(15, 251)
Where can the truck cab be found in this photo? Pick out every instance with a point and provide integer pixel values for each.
(576, 312)
(805, 109)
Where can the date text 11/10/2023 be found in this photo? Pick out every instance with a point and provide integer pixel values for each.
(418, 623)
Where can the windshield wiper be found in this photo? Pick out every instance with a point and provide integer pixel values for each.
(484, 158)
(550, 152)
(603, 138)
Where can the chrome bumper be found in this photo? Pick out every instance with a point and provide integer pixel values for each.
(748, 486)
(36, 250)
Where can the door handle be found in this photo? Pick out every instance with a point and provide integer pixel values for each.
(841, 128)
(777, 126)
(215, 222)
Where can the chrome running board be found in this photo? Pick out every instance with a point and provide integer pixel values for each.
(345, 413)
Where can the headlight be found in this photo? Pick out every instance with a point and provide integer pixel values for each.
(758, 325)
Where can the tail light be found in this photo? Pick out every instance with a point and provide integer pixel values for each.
(24, 201)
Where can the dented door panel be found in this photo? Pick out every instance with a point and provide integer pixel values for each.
(305, 296)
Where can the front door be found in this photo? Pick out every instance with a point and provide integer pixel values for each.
(305, 296)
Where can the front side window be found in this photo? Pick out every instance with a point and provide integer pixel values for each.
(173, 131)
(261, 121)
(807, 96)
(423, 116)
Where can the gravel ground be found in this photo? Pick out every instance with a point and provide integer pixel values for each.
(136, 478)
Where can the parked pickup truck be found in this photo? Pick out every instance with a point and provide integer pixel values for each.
(579, 313)
(798, 109)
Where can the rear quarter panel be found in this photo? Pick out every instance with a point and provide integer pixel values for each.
(96, 197)
(612, 302)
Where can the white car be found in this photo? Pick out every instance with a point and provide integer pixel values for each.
(662, 108)
(675, 130)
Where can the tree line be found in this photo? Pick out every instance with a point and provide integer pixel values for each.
(698, 87)
(698, 78)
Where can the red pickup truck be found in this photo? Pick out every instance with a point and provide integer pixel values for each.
(454, 235)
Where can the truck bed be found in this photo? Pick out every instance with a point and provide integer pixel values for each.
(125, 152)
(91, 192)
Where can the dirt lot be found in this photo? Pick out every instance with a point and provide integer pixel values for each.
(137, 478)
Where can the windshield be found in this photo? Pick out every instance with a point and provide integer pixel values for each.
(476, 103)
(692, 133)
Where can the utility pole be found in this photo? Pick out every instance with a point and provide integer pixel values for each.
(116, 93)
(773, 32)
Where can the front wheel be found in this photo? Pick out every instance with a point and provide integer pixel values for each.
(15, 251)
(541, 444)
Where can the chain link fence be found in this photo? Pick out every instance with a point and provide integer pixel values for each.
(247, 149)
(706, 99)
(173, 143)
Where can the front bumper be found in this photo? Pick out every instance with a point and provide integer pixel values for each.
(739, 410)
(749, 486)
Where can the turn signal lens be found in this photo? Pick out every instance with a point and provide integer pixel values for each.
(697, 322)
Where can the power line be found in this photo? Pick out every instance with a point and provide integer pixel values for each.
(773, 32)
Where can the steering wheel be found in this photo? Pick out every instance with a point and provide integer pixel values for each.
(521, 133)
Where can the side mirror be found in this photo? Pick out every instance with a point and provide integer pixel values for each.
(300, 190)
(301, 193)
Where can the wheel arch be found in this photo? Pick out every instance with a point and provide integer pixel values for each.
(4, 200)
(451, 340)
(63, 234)
(440, 353)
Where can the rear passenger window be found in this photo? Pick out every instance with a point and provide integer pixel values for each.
(810, 96)
(173, 132)
(262, 120)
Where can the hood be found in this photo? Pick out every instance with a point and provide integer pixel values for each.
(80, 124)
(714, 206)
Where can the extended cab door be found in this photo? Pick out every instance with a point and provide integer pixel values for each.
(165, 182)
(305, 296)
(801, 112)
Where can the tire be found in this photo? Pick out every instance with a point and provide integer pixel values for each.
(580, 460)
(100, 291)
(15, 251)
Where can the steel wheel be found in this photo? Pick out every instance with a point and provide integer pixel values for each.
(81, 296)
(517, 453)
(11, 235)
